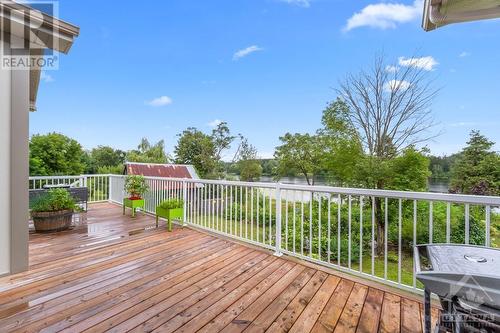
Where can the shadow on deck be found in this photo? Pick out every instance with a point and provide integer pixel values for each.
(112, 272)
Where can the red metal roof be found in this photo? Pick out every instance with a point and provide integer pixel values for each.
(161, 170)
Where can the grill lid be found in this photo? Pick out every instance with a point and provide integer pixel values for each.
(472, 260)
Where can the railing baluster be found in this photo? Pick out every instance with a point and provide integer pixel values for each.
(302, 222)
(448, 218)
(339, 202)
(349, 232)
(361, 233)
(414, 238)
(431, 224)
(270, 217)
(488, 226)
(467, 226)
(329, 227)
(319, 227)
(294, 220)
(400, 218)
(373, 236)
(311, 200)
(386, 225)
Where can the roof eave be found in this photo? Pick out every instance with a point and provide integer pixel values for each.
(52, 33)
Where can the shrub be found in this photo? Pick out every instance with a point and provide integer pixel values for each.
(172, 204)
(55, 200)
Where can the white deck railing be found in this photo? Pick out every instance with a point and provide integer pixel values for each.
(335, 227)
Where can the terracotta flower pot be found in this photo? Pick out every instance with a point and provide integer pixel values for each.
(52, 221)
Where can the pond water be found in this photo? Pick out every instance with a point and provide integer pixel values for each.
(436, 186)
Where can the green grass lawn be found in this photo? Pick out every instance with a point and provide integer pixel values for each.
(260, 233)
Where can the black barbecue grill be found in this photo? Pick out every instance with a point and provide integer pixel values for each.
(466, 279)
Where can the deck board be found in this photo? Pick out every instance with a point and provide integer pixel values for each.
(116, 273)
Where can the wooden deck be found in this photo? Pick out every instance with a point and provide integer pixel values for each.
(105, 275)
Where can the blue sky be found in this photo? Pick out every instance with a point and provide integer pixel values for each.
(267, 67)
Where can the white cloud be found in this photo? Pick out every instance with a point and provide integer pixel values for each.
(391, 69)
(385, 15)
(301, 3)
(396, 85)
(426, 63)
(246, 51)
(46, 77)
(214, 123)
(464, 54)
(160, 101)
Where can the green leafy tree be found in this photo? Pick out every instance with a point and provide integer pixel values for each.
(301, 152)
(248, 165)
(340, 141)
(55, 154)
(477, 168)
(222, 139)
(197, 148)
(269, 166)
(148, 153)
(409, 171)
(105, 156)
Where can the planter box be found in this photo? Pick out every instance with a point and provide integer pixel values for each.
(169, 215)
(133, 204)
(52, 221)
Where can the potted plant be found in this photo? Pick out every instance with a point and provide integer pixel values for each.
(170, 209)
(136, 187)
(53, 211)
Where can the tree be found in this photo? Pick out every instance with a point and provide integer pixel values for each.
(477, 168)
(55, 154)
(409, 171)
(340, 140)
(391, 111)
(440, 166)
(269, 166)
(147, 153)
(105, 156)
(197, 148)
(248, 165)
(301, 152)
(222, 139)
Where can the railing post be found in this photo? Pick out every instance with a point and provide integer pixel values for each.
(110, 187)
(184, 200)
(277, 251)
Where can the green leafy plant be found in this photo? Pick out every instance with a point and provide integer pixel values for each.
(55, 200)
(172, 204)
(136, 186)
